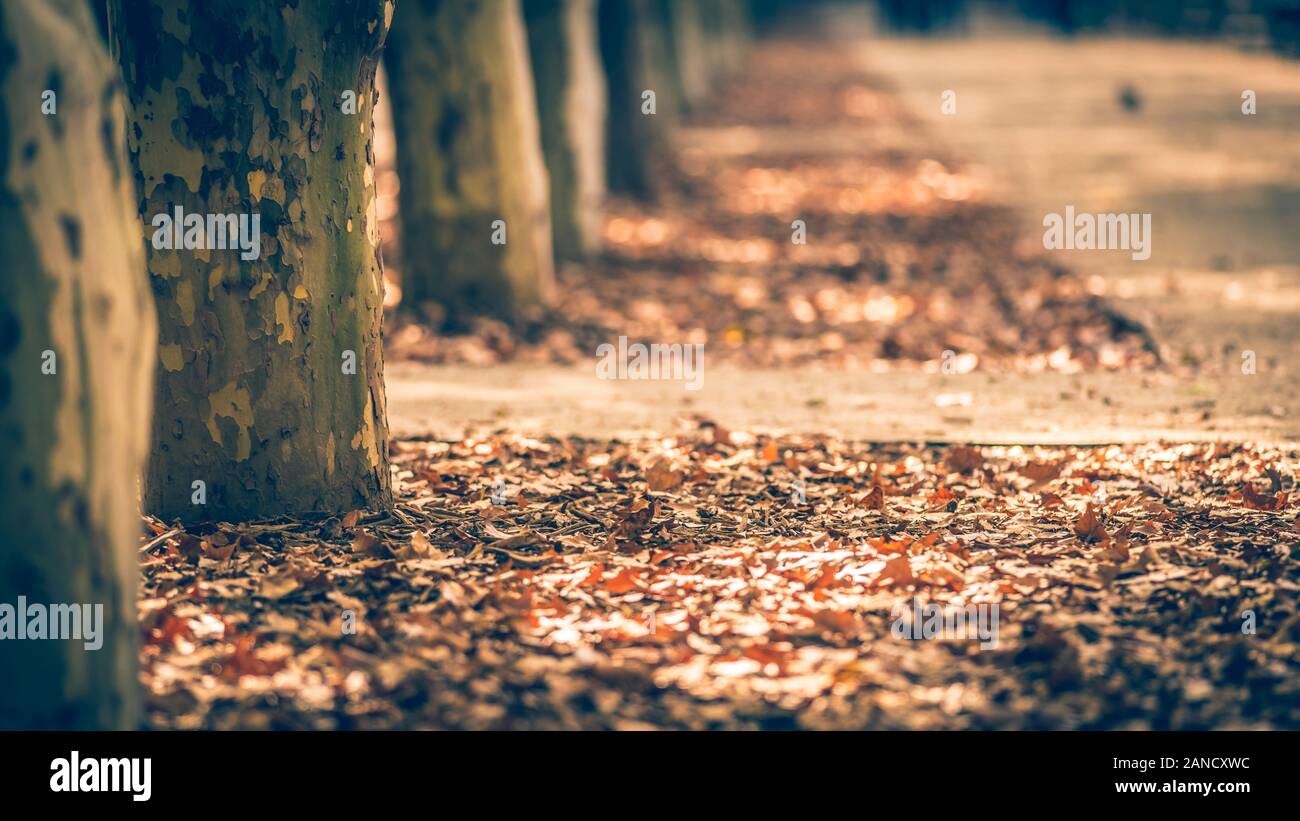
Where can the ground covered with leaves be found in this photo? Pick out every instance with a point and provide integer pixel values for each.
(900, 258)
(718, 579)
(712, 578)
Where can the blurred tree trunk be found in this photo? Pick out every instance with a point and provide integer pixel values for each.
(642, 105)
(689, 50)
(571, 109)
(76, 365)
(727, 29)
(476, 229)
(270, 387)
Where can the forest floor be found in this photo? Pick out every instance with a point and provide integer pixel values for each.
(579, 553)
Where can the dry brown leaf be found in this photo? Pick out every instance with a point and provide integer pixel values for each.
(663, 476)
(1041, 472)
(875, 498)
(1259, 501)
(1088, 527)
(963, 459)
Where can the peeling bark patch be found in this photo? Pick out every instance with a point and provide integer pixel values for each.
(365, 437)
(171, 357)
(185, 301)
(233, 403)
(282, 318)
(256, 179)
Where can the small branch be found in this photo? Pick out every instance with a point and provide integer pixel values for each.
(157, 540)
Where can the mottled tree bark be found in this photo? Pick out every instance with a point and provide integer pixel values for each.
(570, 87)
(76, 366)
(634, 50)
(475, 211)
(270, 380)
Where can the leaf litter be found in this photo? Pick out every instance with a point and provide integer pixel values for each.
(904, 255)
(681, 582)
(735, 579)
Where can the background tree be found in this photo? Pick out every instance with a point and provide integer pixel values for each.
(76, 364)
(570, 85)
(690, 51)
(635, 51)
(727, 27)
(475, 214)
(270, 386)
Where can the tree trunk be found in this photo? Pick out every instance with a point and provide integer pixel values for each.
(270, 387)
(726, 24)
(476, 228)
(634, 49)
(76, 366)
(571, 110)
(690, 51)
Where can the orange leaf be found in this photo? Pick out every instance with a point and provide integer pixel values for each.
(624, 582)
(940, 498)
(898, 571)
(596, 575)
(1089, 527)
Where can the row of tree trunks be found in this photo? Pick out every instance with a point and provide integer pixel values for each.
(504, 160)
(260, 350)
(270, 391)
(475, 211)
(77, 350)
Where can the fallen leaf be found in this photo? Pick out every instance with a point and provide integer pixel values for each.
(1089, 527)
(963, 459)
(663, 476)
(875, 498)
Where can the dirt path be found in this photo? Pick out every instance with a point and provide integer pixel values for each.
(1044, 115)
(1097, 408)
(1013, 140)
